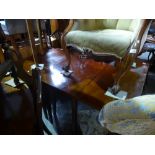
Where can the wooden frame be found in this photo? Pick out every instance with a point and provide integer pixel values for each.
(131, 54)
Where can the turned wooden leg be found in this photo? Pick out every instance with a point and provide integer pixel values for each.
(64, 46)
(40, 35)
(67, 54)
(55, 118)
(122, 69)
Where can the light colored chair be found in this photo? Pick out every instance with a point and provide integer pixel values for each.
(133, 116)
(104, 35)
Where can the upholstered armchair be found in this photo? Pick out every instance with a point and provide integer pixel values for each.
(108, 40)
(112, 36)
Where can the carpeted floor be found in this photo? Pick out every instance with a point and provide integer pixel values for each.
(87, 119)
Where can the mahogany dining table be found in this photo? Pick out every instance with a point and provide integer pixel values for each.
(89, 80)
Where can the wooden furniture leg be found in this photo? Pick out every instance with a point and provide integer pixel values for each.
(1, 55)
(32, 41)
(74, 116)
(55, 118)
(123, 68)
(64, 46)
(40, 35)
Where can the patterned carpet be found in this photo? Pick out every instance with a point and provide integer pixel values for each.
(87, 119)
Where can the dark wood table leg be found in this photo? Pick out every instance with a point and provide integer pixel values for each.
(74, 116)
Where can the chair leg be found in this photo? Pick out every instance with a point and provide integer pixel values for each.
(153, 57)
(122, 70)
(49, 110)
(39, 123)
(14, 75)
(38, 22)
(55, 118)
(45, 111)
(74, 116)
(46, 129)
(50, 106)
(149, 56)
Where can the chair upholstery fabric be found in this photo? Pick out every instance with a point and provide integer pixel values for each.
(107, 41)
(104, 35)
(132, 116)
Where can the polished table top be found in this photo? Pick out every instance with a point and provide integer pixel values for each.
(90, 79)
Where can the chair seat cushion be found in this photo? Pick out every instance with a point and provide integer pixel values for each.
(132, 116)
(108, 40)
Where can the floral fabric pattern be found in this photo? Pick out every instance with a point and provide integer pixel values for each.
(133, 116)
